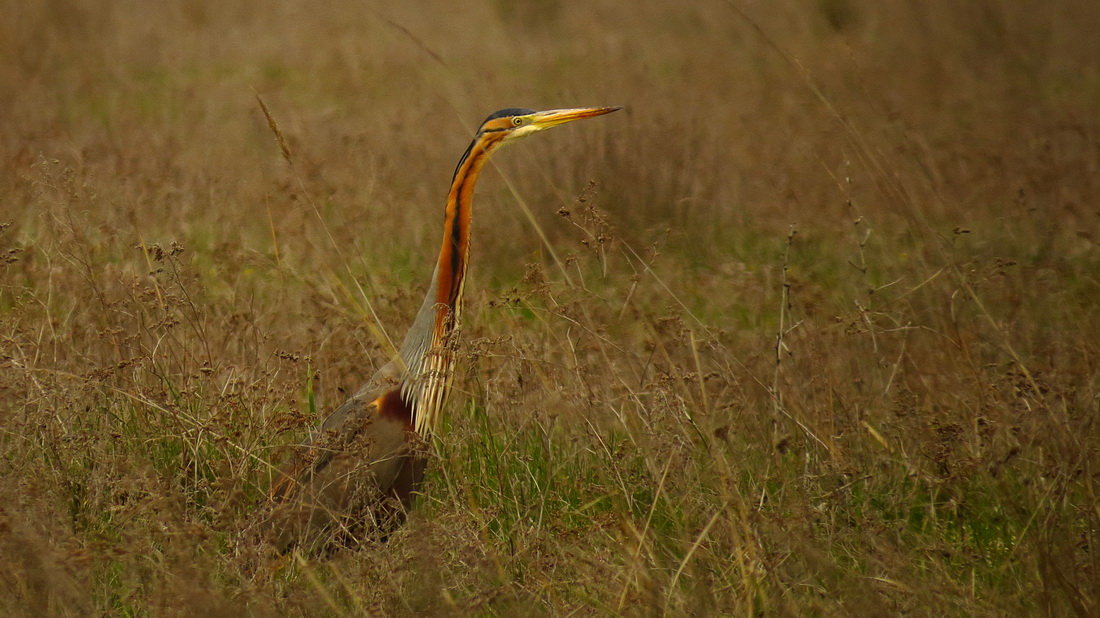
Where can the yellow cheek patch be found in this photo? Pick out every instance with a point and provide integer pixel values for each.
(524, 131)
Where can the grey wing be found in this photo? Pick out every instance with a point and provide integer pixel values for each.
(342, 482)
(386, 378)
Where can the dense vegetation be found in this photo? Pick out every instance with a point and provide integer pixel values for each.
(810, 328)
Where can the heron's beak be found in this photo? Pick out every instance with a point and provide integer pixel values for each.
(554, 117)
(540, 120)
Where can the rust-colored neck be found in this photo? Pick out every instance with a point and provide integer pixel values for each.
(424, 353)
(455, 249)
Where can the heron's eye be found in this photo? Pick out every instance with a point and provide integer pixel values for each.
(518, 120)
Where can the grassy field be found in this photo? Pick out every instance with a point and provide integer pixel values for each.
(810, 328)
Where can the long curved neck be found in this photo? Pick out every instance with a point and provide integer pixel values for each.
(450, 271)
(427, 363)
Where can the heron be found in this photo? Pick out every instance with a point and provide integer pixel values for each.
(359, 471)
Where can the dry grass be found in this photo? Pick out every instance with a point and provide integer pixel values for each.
(821, 339)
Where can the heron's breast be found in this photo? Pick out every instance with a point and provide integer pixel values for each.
(392, 406)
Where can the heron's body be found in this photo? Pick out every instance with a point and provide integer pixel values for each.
(361, 469)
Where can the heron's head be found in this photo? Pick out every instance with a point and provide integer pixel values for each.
(514, 123)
